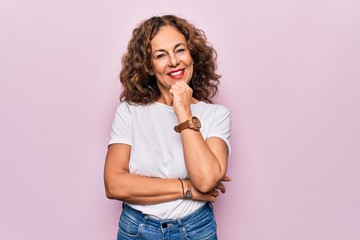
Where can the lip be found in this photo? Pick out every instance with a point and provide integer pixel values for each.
(180, 74)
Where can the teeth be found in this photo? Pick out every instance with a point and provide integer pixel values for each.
(176, 73)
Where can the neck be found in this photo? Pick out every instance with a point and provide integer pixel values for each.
(167, 100)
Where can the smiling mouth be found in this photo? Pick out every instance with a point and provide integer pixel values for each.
(177, 74)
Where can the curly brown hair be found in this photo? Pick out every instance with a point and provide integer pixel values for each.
(139, 85)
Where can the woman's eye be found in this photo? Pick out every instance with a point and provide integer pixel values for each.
(162, 55)
(180, 50)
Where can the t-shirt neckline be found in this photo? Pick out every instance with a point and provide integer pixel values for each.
(194, 105)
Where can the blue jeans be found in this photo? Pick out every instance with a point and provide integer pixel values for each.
(199, 225)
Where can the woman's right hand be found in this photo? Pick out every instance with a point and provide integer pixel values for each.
(212, 195)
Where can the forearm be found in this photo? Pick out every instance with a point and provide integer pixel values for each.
(205, 169)
(138, 189)
(133, 188)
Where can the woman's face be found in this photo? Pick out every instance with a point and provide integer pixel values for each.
(170, 58)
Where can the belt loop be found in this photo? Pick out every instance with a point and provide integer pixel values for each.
(145, 219)
(179, 222)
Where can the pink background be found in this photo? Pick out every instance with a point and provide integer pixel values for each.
(290, 77)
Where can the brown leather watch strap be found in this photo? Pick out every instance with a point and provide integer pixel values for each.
(193, 123)
(182, 126)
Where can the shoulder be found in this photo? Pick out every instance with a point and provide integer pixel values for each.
(135, 110)
(221, 108)
(127, 106)
(222, 113)
(216, 109)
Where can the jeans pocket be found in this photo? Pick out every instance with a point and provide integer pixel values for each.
(129, 228)
(204, 229)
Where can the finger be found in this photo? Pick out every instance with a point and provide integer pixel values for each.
(180, 84)
(226, 179)
(176, 89)
(183, 86)
(215, 193)
(221, 187)
(212, 198)
(172, 89)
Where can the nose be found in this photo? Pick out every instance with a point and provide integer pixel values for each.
(173, 60)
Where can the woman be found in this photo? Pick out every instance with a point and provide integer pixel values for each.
(167, 157)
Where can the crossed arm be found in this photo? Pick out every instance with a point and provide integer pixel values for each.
(122, 185)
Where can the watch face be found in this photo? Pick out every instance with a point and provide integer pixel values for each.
(196, 122)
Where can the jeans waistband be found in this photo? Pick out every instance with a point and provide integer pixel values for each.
(146, 219)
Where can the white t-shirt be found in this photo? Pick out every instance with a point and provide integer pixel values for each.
(156, 149)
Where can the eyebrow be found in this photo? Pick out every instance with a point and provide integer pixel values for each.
(163, 50)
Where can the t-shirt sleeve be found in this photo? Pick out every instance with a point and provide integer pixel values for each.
(122, 126)
(221, 125)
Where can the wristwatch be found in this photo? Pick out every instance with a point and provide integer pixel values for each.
(193, 123)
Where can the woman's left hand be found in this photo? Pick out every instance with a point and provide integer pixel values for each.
(212, 195)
